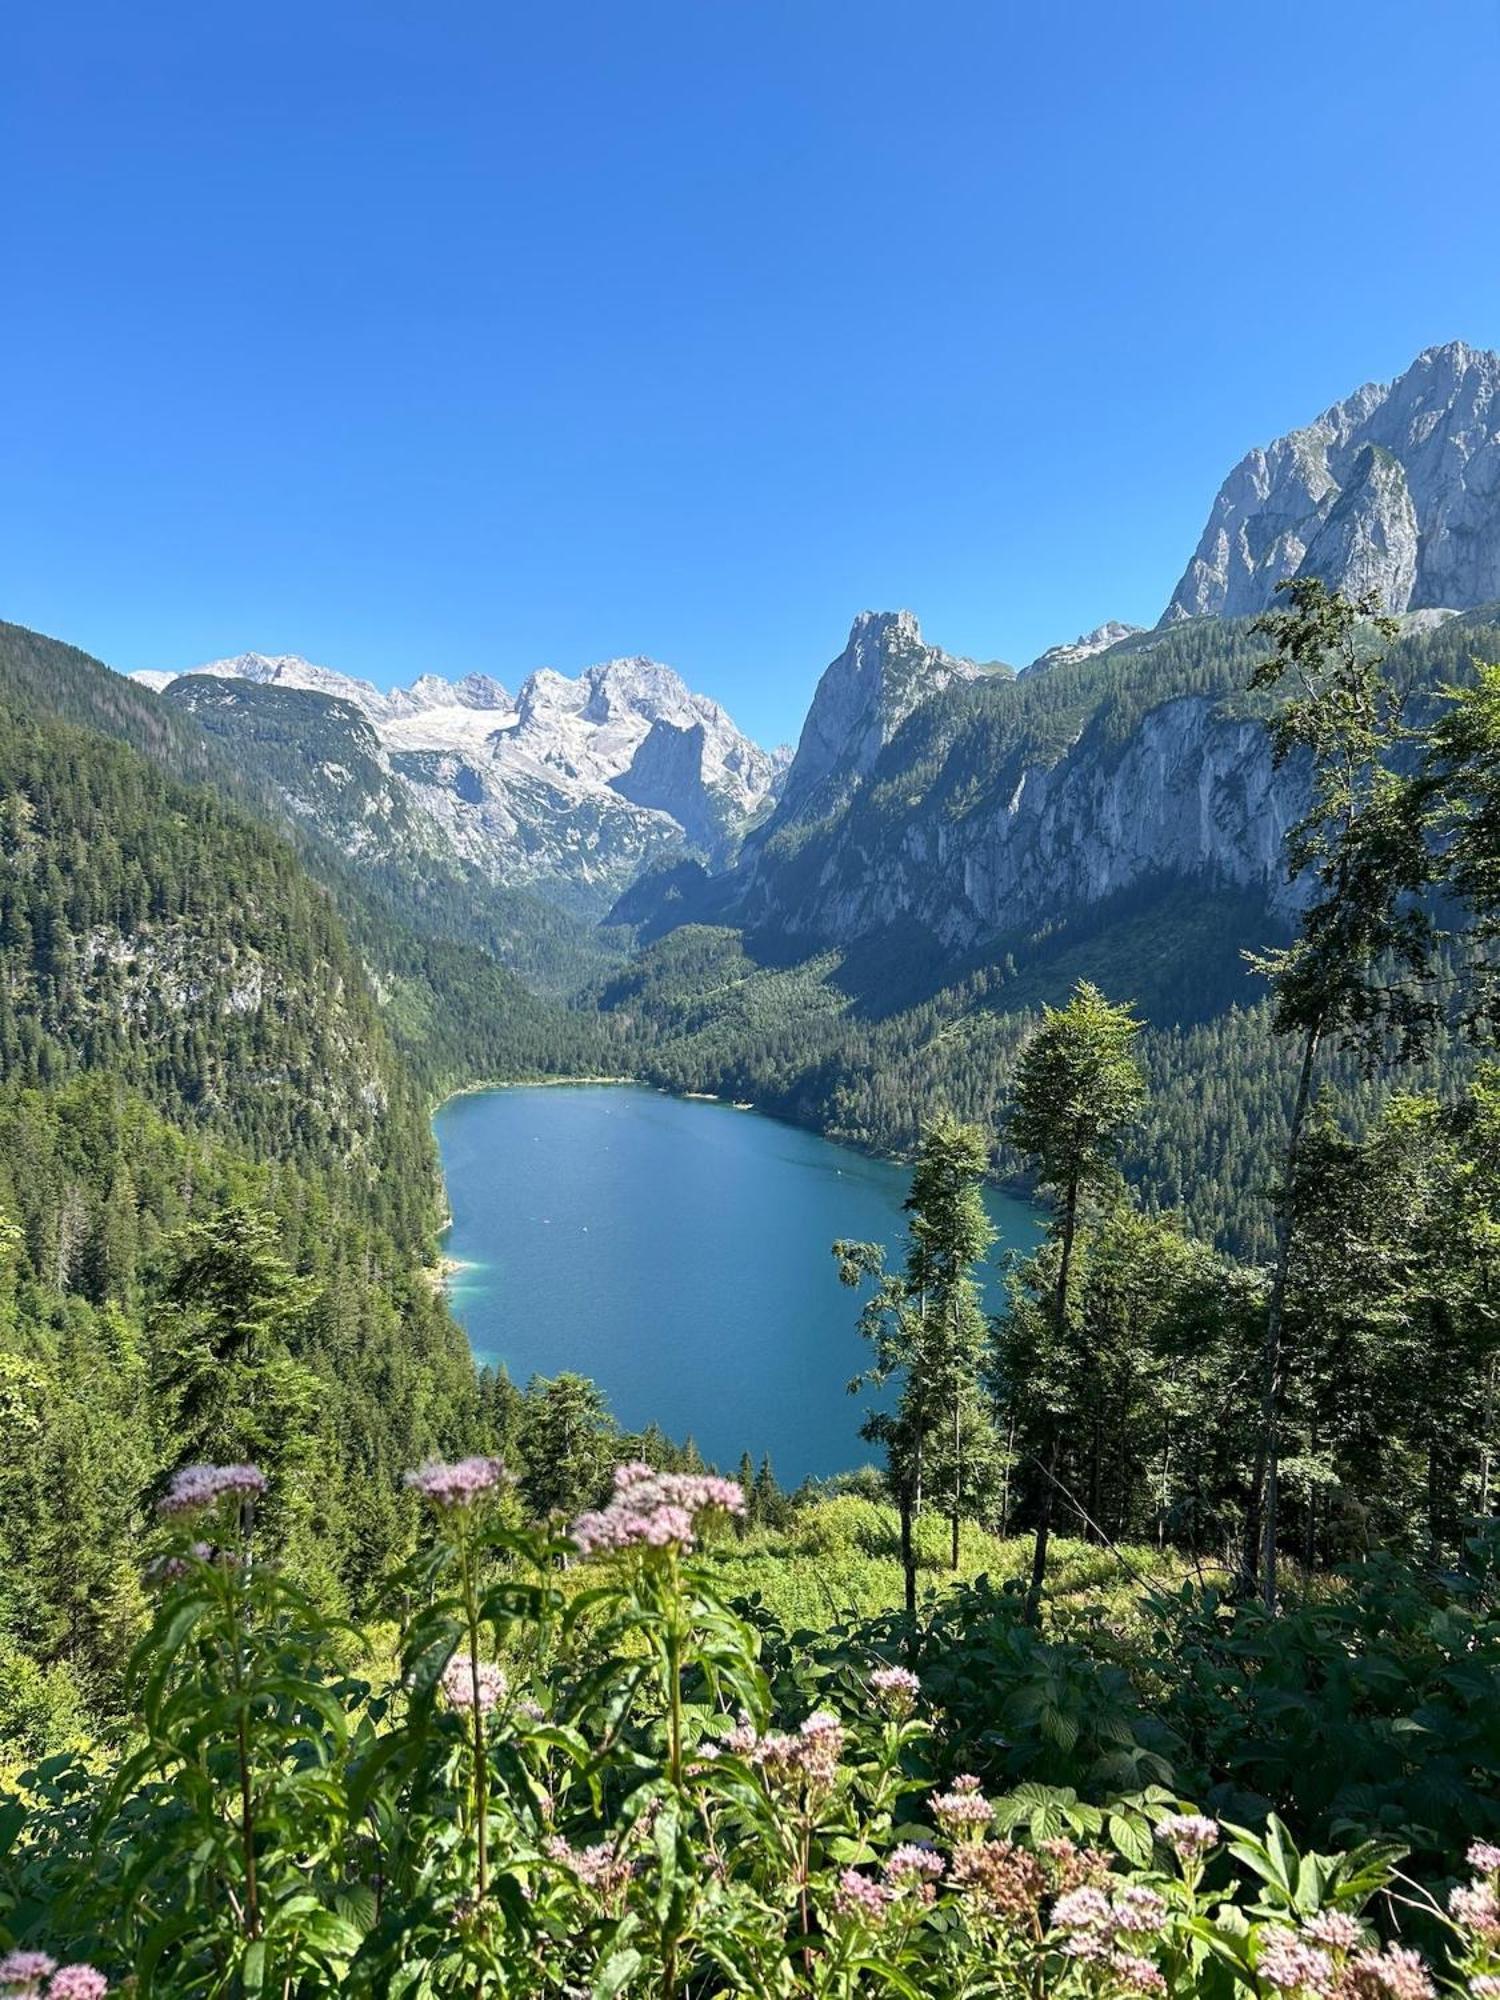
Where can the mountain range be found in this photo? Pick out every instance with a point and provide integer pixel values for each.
(623, 790)
(568, 788)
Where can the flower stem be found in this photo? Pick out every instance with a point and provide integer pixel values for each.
(481, 1767)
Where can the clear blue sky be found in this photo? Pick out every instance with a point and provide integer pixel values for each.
(442, 336)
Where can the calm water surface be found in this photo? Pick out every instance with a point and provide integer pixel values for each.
(678, 1252)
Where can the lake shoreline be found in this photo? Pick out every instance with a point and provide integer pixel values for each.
(1018, 1189)
(678, 1259)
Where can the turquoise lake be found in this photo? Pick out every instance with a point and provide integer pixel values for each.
(678, 1252)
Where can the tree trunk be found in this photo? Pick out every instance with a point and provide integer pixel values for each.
(1043, 1535)
(1270, 1393)
(908, 1556)
(1044, 1514)
(958, 1477)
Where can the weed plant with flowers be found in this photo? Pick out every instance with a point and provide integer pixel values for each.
(589, 1791)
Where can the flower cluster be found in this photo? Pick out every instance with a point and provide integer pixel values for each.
(198, 1486)
(1003, 1879)
(896, 1690)
(655, 1510)
(25, 1975)
(460, 1676)
(1326, 1959)
(601, 1867)
(458, 1485)
(962, 1812)
(1071, 1866)
(1114, 1932)
(858, 1898)
(172, 1569)
(912, 1865)
(808, 1760)
(1474, 1905)
(1475, 1909)
(1189, 1835)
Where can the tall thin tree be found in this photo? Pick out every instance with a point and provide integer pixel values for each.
(1077, 1085)
(1353, 975)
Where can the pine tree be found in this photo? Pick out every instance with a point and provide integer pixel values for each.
(1076, 1087)
(926, 1327)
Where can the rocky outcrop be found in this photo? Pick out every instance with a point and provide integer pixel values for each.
(1110, 633)
(1395, 490)
(1191, 795)
(863, 698)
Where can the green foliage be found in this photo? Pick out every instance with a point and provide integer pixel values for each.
(631, 1788)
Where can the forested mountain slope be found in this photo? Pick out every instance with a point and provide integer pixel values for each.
(196, 1077)
(1115, 818)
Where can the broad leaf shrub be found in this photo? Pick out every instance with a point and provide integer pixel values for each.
(1372, 1709)
(598, 1791)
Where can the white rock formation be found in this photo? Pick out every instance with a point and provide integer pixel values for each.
(1395, 490)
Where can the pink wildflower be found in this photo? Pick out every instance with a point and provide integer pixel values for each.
(1334, 1930)
(1485, 1986)
(1484, 1857)
(810, 1758)
(23, 1971)
(77, 1982)
(1189, 1835)
(1476, 1906)
(460, 1484)
(860, 1898)
(1394, 1974)
(913, 1863)
(896, 1690)
(198, 1486)
(821, 1738)
(1292, 1965)
(1086, 1909)
(599, 1867)
(458, 1681)
(1137, 1910)
(1137, 1974)
(655, 1510)
(1000, 1876)
(963, 1810)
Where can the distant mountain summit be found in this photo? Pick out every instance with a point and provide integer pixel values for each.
(864, 696)
(1084, 647)
(570, 786)
(1395, 490)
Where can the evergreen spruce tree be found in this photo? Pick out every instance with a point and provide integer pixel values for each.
(927, 1328)
(1076, 1087)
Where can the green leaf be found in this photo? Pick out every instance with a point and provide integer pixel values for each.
(615, 1974)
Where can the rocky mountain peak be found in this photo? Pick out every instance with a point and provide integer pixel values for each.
(1396, 490)
(885, 670)
(1084, 647)
(572, 786)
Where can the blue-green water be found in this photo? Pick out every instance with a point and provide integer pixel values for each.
(677, 1251)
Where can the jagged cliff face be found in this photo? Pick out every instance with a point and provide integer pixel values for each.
(570, 788)
(1002, 808)
(1396, 490)
(861, 701)
(1190, 795)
